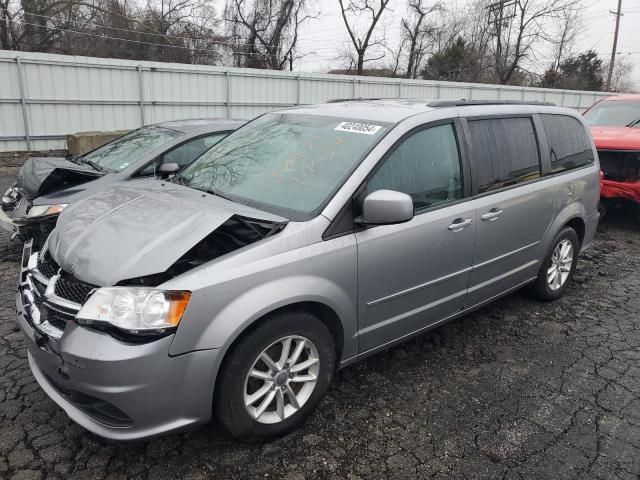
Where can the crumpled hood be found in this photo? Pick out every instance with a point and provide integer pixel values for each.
(140, 229)
(616, 138)
(40, 175)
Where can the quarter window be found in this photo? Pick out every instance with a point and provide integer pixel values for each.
(568, 143)
(505, 152)
(425, 166)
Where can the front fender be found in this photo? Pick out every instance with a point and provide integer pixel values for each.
(256, 302)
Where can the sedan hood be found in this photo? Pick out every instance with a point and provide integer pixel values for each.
(40, 175)
(140, 229)
(616, 138)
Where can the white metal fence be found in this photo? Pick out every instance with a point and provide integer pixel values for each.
(45, 96)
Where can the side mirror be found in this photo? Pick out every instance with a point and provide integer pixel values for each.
(166, 169)
(386, 207)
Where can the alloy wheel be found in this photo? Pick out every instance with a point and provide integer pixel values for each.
(281, 379)
(561, 262)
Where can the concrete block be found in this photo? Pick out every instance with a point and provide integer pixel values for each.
(83, 142)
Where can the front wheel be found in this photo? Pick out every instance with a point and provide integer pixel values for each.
(275, 376)
(558, 266)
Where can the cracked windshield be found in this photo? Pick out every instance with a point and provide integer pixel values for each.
(286, 163)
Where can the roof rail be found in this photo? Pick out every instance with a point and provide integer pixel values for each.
(467, 103)
(358, 99)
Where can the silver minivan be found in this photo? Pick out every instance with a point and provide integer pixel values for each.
(306, 240)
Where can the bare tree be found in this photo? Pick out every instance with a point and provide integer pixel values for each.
(460, 45)
(568, 28)
(397, 55)
(622, 77)
(417, 31)
(518, 27)
(8, 32)
(166, 30)
(265, 31)
(372, 10)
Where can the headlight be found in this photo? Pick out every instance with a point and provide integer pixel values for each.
(135, 309)
(11, 196)
(43, 210)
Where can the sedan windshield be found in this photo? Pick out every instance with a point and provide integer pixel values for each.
(289, 164)
(121, 153)
(614, 113)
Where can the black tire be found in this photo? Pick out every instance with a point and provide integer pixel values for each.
(541, 288)
(229, 396)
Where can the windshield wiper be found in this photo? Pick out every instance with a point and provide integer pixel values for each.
(634, 123)
(93, 164)
(75, 159)
(217, 194)
(180, 180)
(211, 191)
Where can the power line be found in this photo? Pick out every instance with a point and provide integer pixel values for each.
(194, 49)
(323, 35)
(166, 35)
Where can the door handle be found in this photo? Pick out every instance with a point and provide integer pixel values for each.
(492, 215)
(459, 224)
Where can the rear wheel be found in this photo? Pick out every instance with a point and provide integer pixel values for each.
(275, 376)
(558, 266)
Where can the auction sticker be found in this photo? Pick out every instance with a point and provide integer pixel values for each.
(356, 127)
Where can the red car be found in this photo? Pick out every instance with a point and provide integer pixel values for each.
(615, 126)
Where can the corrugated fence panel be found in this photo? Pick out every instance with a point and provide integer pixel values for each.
(162, 113)
(316, 91)
(263, 90)
(64, 94)
(376, 89)
(10, 86)
(11, 126)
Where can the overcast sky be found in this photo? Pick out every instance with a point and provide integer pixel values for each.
(326, 36)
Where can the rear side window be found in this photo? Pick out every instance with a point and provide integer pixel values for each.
(426, 166)
(568, 143)
(505, 152)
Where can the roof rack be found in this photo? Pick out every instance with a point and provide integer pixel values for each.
(467, 103)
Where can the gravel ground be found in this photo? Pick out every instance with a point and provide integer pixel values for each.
(519, 389)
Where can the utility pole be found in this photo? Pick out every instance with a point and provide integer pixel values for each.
(500, 15)
(618, 14)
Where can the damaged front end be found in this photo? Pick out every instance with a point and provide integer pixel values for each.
(16, 219)
(42, 175)
(56, 296)
(37, 177)
(25, 221)
(621, 170)
(237, 232)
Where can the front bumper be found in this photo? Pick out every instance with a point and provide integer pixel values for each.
(627, 190)
(6, 222)
(118, 390)
(17, 223)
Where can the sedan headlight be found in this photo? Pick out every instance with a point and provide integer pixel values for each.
(135, 309)
(44, 210)
(11, 196)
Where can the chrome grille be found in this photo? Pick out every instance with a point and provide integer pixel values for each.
(71, 289)
(56, 319)
(47, 266)
(51, 297)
